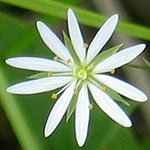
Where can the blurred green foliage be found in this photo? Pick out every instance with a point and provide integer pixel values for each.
(28, 114)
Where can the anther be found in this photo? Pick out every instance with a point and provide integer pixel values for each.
(85, 45)
(55, 58)
(112, 71)
(68, 61)
(54, 96)
(50, 74)
(90, 106)
(104, 88)
(75, 91)
(94, 65)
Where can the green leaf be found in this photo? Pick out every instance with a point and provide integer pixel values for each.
(69, 45)
(146, 62)
(137, 67)
(105, 54)
(116, 96)
(59, 10)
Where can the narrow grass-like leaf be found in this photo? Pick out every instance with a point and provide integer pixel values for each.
(146, 62)
(59, 10)
(25, 135)
(137, 67)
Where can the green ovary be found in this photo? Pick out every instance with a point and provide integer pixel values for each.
(82, 74)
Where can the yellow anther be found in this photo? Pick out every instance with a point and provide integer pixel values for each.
(75, 91)
(54, 96)
(85, 45)
(90, 106)
(55, 58)
(94, 65)
(50, 74)
(112, 71)
(104, 88)
(68, 61)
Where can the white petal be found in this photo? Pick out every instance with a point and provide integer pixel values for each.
(39, 85)
(53, 42)
(59, 110)
(122, 88)
(82, 116)
(119, 59)
(37, 64)
(76, 36)
(102, 36)
(109, 106)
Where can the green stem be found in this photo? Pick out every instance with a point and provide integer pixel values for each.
(25, 135)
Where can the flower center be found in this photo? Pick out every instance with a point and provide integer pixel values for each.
(82, 74)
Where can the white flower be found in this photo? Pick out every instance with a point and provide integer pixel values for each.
(78, 73)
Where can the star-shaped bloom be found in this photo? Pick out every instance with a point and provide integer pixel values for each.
(80, 73)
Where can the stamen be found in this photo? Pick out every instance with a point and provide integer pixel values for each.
(78, 83)
(76, 91)
(55, 58)
(104, 88)
(50, 74)
(85, 45)
(90, 106)
(62, 89)
(94, 65)
(68, 61)
(54, 96)
(112, 71)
